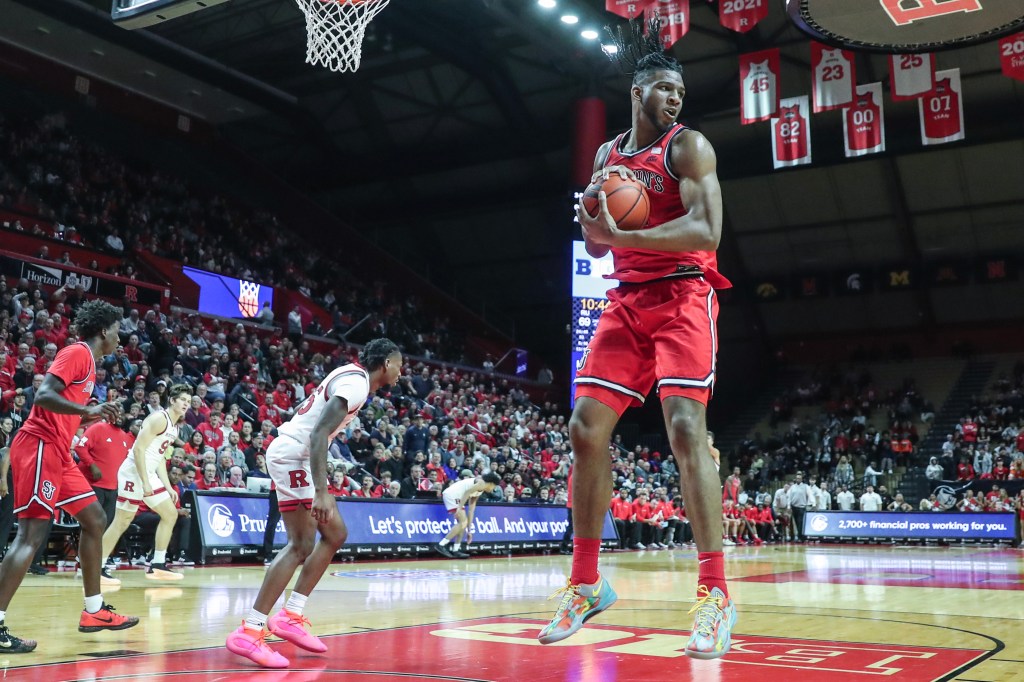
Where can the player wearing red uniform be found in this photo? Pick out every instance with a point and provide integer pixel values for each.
(659, 327)
(46, 479)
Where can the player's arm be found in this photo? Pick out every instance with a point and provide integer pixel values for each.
(324, 504)
(152, 427)
(49, 398)
(594, 249)
(5, 464)
(700, 228)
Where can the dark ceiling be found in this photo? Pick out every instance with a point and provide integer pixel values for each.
(451, 146)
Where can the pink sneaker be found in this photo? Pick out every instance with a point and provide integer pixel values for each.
(252, 644)
(292, 628)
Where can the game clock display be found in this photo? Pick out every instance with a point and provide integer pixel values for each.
(589, 299)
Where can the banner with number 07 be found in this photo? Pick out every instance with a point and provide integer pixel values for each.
(942, 110)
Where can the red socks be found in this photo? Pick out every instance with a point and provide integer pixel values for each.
(712, 571)
(584, 560)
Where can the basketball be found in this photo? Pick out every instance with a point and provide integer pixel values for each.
(627, 201)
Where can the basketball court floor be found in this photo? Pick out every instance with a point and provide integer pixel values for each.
(837, 612)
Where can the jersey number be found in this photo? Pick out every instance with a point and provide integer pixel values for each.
(832, 73)
(761, 84)
(307, 404)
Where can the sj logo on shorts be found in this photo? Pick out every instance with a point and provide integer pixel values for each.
(583, 360)
(48, 490)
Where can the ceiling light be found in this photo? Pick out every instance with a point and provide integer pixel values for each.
(570, 19)
(589, 34)
(610, 49)
(546, 4)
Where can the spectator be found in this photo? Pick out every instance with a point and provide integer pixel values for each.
(934, 471)
(845, 499)
(870, 501)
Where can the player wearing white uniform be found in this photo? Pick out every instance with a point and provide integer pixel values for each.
(297, 462)
(143, 477)
(458, 498)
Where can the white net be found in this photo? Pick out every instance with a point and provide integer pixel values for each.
(335, 30)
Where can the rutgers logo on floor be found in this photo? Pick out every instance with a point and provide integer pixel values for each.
(48, 490)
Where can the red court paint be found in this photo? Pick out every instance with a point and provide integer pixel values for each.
(505, 650)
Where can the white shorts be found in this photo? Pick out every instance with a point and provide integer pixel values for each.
(288, 465)
(129, 490)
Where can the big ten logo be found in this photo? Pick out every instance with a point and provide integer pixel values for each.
(854, 658)
(586, 267)
(903, 12)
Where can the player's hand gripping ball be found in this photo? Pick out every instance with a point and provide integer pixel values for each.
(627, 200)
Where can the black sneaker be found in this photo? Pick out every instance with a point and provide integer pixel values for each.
(36, 569)
(184, 560)
(9, 644)
(460, 555)
(444, 551)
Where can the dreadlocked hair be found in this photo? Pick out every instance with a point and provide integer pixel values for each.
(95, 316)
(640, 53)
(373, 354)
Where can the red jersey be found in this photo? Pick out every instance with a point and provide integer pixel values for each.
(106, 446)
(791, 134)
(75, 366)
(765, 516)
(621, 509)
(751, 514)
(941, 109)
(652, 166)
(864, 123)
(667, 510)
(970, 432)
(642, 511)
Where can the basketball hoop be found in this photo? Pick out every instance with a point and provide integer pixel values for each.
(335, 30)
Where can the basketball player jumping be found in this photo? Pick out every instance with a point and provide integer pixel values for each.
(143, 476)
(297, 462)
(460, 498)
(47, 480)
(659, 327)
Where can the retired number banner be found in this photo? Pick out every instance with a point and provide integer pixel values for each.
(1011, 54)
(627, 9)
(791, 133)
(911, 75)
(675, 19)
(834, 77)
(759, 85)
(942, 110)
(864, 122)
(742, 15)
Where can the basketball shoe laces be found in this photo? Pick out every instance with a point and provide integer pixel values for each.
(569, 592)
(295, 619)
(707, 608)
(260, 641)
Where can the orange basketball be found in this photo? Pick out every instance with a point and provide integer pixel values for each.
(627, 201)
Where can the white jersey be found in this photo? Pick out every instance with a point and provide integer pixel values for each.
(158, 452)
(351, 382)
(833, 80)
(759, 92)
(458, 489)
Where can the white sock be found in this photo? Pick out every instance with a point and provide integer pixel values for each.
(159, 556)
(296, 602)
(256, 620)
(455, 547)
(3, 615)
(443, 542)
(94, 603)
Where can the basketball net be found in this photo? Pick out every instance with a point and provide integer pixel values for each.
(335, 30)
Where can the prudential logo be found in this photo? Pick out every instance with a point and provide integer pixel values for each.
(819, 522)
(220, 520)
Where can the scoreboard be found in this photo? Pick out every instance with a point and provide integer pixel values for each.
(589, 299)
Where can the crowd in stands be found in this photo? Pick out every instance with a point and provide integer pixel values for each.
(84, 194)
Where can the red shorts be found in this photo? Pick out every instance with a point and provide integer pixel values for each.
(663, 331)
(45, 479)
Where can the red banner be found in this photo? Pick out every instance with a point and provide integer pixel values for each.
(759, 85)
(942, 110)
(864, 122)
(1011, 54)
(911, 75)
(834, 77)
(675, 19)
(742, 15)
(627, 9)
(904, 13)
(791, 133)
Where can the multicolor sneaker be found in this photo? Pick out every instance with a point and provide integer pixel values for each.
(252, 644)
(161, 572)
(712, 626)
(9, 644)
(292, 628)
(105, 619)
(579, 604)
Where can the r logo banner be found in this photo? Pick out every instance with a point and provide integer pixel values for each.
(903, 12)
